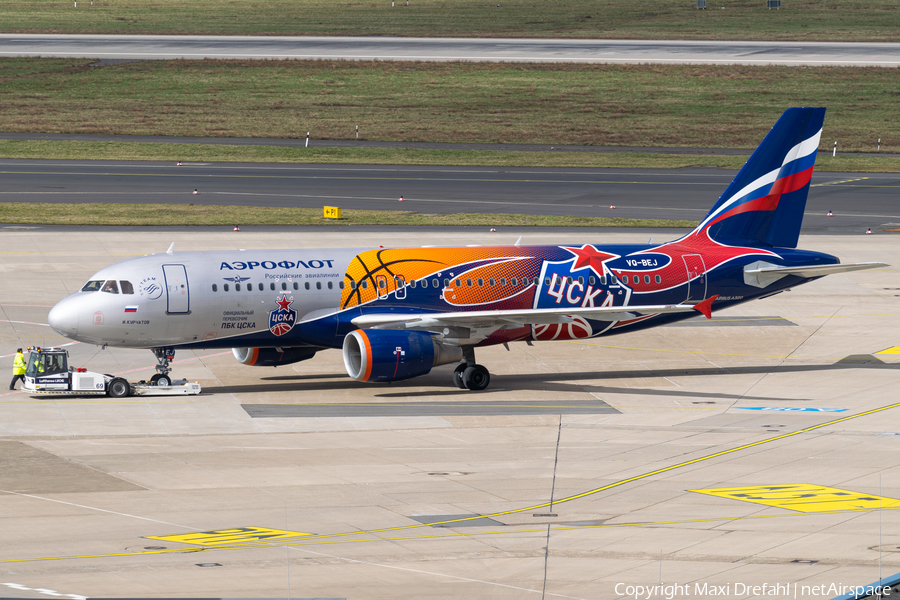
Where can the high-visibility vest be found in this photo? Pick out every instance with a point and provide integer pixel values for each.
(19, 364)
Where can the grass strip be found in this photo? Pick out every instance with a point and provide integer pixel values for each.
(78, 150)
(180, 214)
(618, 105)
(845, 20)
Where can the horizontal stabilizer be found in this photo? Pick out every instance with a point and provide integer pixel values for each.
(762, 274)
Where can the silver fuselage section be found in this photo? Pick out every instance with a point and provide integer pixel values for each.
(186, 297)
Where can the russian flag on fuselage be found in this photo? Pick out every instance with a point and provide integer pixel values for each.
(765, 202)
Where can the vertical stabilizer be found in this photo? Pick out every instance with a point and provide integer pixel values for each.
(764, 204)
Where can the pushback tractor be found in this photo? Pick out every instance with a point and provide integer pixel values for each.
(48, 374)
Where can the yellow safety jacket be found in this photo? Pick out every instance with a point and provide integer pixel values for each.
(19, 364)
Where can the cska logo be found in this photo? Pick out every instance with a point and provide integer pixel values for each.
(282, 319)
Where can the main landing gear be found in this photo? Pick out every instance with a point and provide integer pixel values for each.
(162, 376)
(471, 376)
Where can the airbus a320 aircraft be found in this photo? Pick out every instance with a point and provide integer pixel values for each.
(399, 312)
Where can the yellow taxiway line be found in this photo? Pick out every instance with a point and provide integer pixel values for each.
(329, 538)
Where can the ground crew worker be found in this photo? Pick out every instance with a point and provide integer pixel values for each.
(18, 369)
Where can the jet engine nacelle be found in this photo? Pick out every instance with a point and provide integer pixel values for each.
(385, 355)
(272, 357)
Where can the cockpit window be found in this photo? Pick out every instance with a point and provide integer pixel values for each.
(92, 286)
(126, 286)
(110, 287)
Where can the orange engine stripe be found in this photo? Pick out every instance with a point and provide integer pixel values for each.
(255, 356)
(368, 355)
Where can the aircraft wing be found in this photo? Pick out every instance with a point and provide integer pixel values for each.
(762, 274)
(486, 319)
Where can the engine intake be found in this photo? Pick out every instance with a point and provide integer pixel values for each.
(385, 355)
(272, 357)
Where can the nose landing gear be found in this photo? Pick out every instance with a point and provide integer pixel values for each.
(162, 376)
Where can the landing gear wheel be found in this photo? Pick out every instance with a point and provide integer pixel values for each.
(161, 380)
(119, 388)
(476, 378)
(458, 375)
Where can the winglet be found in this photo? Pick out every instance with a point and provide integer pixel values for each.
(171, 248)
(518, 241)
(705, 307)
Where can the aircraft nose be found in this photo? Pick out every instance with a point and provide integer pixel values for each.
(64, 319)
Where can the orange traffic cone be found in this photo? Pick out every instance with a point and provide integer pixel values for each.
(179, 164)
(869, 231)
(401, 199)
(612, 205)
(829, 214)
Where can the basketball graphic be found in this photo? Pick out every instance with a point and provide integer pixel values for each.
(577, 330)
(282, 319)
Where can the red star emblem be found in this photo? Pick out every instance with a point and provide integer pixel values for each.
(284, 303)
(588, 256)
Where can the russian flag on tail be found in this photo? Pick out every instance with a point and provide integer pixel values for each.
(765, 202)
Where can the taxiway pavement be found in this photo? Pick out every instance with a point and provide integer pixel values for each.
(786, 398)
(858, 201)
(162, 47)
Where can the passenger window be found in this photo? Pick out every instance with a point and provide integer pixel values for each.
(412, 283)
(237, 287)
(272, 286)
(382, 284)
(365, 285)
(127, 288)
(297, 287)
(215, 288)
(546, 281)
(306, 285)
(591, 280)
(480, 282)
(658, 279)
(458, 284)
(513, 281)
(249, 287)
(261, 287)
(581, 280)
(330, 285)
(352, 285)
(225, 287)
(110, 287)
(340, 285)
(318, 285)
(503, 281)
(646, 279)
(603, 279)
(284, 285)
(92, 286)
(468, 283)
(424, 283)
